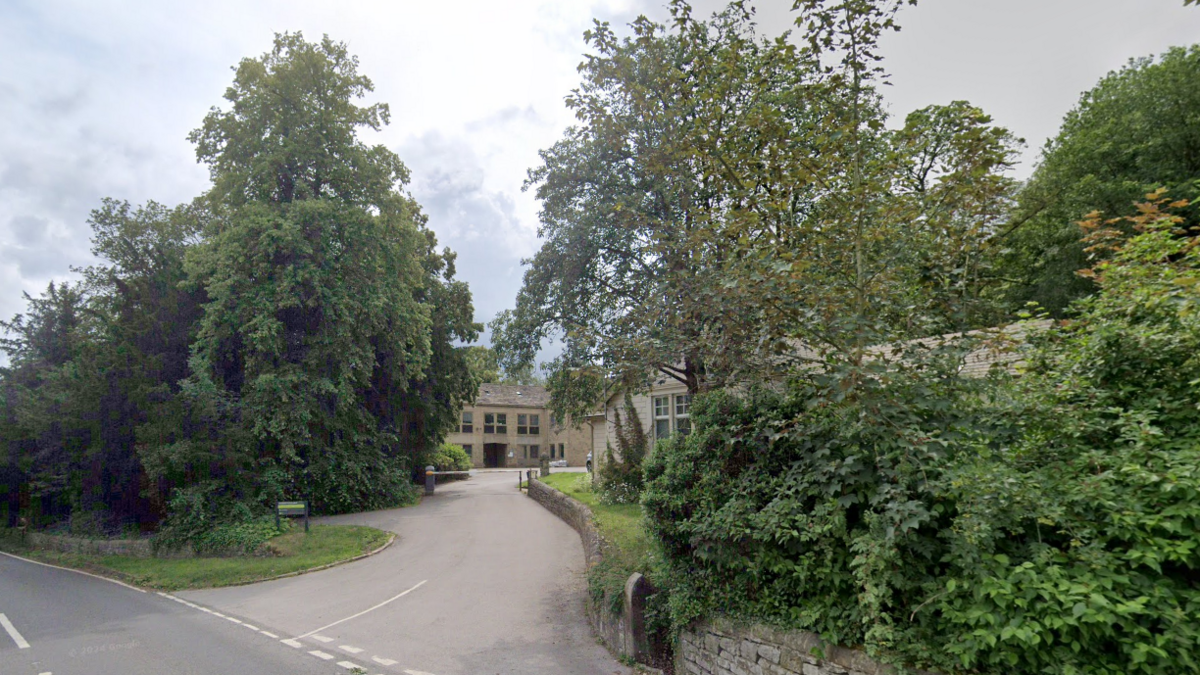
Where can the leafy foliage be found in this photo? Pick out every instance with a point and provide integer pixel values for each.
(619, 476)
(726, 195)
(1042, 524)
(1137, 129)
(289, 334)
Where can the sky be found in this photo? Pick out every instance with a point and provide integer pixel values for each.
(97, 98)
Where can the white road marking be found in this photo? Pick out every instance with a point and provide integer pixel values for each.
(254, 628)
(384, 662)
(417, 672)
(218, 614)
(321, 655)
(348, 648)
(12, 632)
(270, 635)
(291, 643)
(348, 665)
(321, 638)
(369, 609)
(230, 618)
(68, 569)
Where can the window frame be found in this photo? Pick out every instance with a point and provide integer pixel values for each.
(489, 423)
(502, 423)
(467, 423)
(664, 418)
(535, 424)
(683, 420)
(522, 424)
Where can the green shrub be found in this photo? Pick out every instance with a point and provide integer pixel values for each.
(1044, 524)
(451, 457)
(619, 477)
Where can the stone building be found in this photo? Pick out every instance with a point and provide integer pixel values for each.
(513, 426)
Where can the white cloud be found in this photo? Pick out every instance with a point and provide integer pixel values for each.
(98, 98)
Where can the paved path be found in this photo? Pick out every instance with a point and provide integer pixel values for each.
(59, 622)
(480, 580)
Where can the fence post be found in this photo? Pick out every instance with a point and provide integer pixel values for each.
(429, 480)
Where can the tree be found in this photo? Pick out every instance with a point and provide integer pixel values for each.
(324, 350)
(726, 196)
(1136, 130)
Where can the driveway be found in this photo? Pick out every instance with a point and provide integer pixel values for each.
(480, 580)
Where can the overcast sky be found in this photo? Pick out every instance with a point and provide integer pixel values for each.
(96, 99)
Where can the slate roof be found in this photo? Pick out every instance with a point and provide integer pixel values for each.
(512, 396)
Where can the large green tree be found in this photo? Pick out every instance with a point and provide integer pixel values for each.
(725, 196)
(325, 345)
(1136, 130)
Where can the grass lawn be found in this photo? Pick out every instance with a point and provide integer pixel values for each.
(621, 525)
(326, 544)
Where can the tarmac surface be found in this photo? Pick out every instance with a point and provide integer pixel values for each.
(481, 579)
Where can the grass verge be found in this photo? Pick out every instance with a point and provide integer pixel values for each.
(296, 552)
(621, 525)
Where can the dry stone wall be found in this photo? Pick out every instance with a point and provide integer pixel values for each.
(135, 548)
(723, 647)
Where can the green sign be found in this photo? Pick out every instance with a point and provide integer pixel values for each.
(292, 510)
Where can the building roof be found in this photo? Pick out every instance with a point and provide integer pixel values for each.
(512, 396)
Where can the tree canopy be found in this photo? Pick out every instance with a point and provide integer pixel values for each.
(725, 196)
(289, 334)
(1136, 130)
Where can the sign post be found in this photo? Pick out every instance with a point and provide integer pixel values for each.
(291, 510)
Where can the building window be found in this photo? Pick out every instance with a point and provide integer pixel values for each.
(535, 425)
(467, 449)
(468, 422)
(683, 407)
(501, 423)
(562, 450)
(522, 425)
(533, 452)
(489, 423)
(662, 417)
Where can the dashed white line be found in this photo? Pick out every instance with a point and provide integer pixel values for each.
(369, 609)
(417, 672)
(270, 635)
(12, 632)
(253, 628)
(230, 618)
(348, 648)
(321, 655)
(321, 638)
(383, 661)
(348, 665)
(291, 643)
(219, 614)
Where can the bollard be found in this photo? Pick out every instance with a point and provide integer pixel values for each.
(429, 480)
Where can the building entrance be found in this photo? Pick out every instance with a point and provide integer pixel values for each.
(494, 455)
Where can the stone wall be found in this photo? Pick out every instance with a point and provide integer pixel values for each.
(135, 548)
(723, 647)
(615, 630)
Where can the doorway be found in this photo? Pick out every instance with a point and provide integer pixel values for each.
(493, 455)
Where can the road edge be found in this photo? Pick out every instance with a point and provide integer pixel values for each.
(119, 580)
(391, 538)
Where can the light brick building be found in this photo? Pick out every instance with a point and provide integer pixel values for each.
(513, 426)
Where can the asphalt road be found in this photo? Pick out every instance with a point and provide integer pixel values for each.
(78, 625)
(480, 580)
